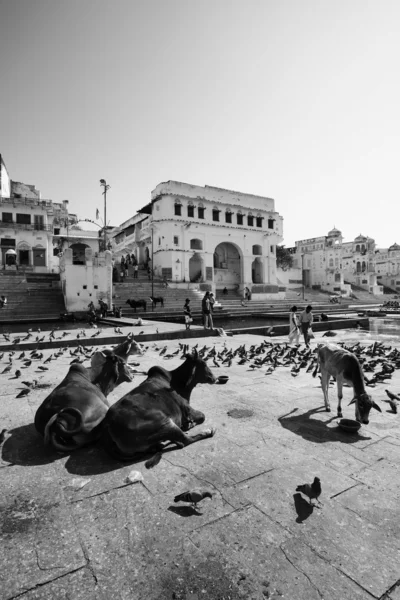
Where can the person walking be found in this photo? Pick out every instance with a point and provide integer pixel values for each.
(135, 271)
(206, 311)
(187, 313)
(294, 328)
(212, 302)
(306, 320)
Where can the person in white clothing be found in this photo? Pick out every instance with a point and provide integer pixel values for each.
(294, 327)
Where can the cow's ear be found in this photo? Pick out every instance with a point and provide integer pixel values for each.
(376, 407)
(352, 401)
(195, 353)
(97, 362)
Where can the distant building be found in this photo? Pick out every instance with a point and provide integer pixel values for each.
(34, 232)
(208, 236)
(387, 266)
(333, 265)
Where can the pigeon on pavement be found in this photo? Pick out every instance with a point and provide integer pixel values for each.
(193, 497)
(312, 491)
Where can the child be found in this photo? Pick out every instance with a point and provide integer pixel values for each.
(187, 313)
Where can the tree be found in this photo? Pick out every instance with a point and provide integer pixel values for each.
(284, 258)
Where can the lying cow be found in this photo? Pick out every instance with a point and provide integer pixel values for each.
(343, 365)
(71, 416)
(157, 411)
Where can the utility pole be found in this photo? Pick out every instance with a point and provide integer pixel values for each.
(302, 273)
(106, 187)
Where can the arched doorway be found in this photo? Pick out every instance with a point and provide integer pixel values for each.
(227, 265)
(196, 264)
(257, 270)
(78, 253)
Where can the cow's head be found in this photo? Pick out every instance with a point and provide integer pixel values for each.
(364, 403)
(108, 370)
(200, 371)
(127, 348)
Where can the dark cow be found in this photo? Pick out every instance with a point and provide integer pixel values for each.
(71, 416)
(137, 304)
(157, 411)
(157, 300)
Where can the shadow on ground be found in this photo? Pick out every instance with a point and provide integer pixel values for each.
(317, 431)
(25, 447)
(303, 508)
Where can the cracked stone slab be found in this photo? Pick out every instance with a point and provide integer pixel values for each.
(213, 460)
(351, 543)
(380, 509)
(382, 475)
(132, 540)
(79, 585)
(38, 539)
(383, 449)
(260, 558)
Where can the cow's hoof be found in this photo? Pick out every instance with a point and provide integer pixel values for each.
(339, 414)
(328, 409)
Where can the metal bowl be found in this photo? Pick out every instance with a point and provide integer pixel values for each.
(349, 425)
(222, 379)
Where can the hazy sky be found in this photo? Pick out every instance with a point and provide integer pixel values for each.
(298, 100)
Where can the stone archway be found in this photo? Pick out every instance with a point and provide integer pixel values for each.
(257, 270)
(196, 267)
(227, 265)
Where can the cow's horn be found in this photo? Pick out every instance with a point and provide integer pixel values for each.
(376, 406)
(352, 401)
(195, 353)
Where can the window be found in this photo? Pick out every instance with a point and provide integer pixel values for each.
(271, 249)
(200, 212)
(228, 217)
(239, 219)
(271, 223)
(7, 217)
(215, 214)
(331, 262)
(23, 219)
(358, 248)
(178, 209)
(250, 220)
(259, 221)
(257, 250)
(176, 240)
(196, 244)
(56, 231)
(39, 221)
(190, 210)
(159, 241)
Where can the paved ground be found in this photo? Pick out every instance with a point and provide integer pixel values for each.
(257, 538)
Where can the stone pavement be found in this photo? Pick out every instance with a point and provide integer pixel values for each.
(257, 538)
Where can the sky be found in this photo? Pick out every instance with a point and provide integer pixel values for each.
(296, 100)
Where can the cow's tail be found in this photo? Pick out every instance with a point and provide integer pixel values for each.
(61, 428)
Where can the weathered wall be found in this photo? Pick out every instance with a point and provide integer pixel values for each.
(82, 284)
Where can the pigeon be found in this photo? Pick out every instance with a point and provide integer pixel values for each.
(24, 392)
(393, 404)
(3, 436)
(43, 368)
(6, 370)
(392, 396)
(312, 491)
(192, 497)
(30, 384)
(329, 334)
(17, 373)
